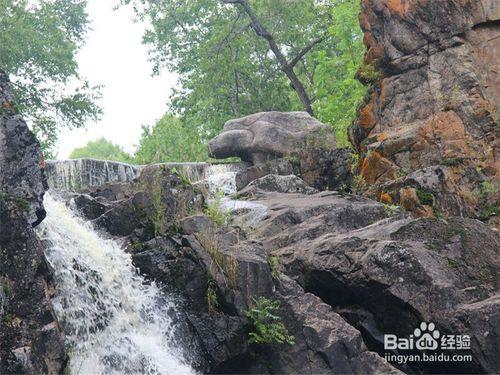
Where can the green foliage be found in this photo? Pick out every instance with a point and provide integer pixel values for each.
(212, 302)
(216, 212)
(7, 318)
(228, 71)
(391, 209)
(453, 263)
(23, 204)
(170, 140)
(338, 93)
(101, 149)
(451, 162)
(274, 265)
(425, 197)
(7, 288)
(223, 263)
(38, 44)
(268, 328)
(185, 180)
(369, 72)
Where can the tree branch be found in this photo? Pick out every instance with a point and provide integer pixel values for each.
(305, 50)
(261, 31)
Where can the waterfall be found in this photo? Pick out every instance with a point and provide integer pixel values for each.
(221, 179)
(113, 320)
(80, 174)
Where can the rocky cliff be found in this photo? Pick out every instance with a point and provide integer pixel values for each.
(428, 132)
(344, 269)
(30, 341)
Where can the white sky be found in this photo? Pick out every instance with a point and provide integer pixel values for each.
(115, 57)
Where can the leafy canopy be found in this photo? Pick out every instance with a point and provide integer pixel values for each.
(171, 139)
(101, 149)
(337, 92)
(38, 44)
(226, 70)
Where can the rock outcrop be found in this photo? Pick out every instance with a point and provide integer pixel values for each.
(21, 176)
(30, 340)
(284, 143)
(269, 135)
(430, 122)
(345, 269)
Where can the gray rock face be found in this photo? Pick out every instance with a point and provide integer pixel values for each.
(21, 176)
(30, 341)
(268, 135)
(388, 276)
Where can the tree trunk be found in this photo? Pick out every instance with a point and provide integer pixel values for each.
(286, 67)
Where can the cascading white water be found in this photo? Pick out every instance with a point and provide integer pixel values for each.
(114, 321)
(221, 179)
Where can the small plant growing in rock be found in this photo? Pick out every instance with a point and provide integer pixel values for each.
(268, 328)
(6, 287)
(221, 262)
(185, 180)
(425, 197)
(391, 209)
(274, 265)
(368, 72)
(23, 204)
(7, 318)
(216, 212)
(212, 302)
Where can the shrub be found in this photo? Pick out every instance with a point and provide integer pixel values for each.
(216, 212)
(268, 328)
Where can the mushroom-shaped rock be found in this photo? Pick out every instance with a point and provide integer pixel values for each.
(267, 135)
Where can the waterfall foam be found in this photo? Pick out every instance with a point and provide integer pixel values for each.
(221, 179)
(114, 321)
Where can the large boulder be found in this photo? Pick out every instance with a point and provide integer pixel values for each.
(284, 143)
(30, 339)
(433, 104)
(269, 135)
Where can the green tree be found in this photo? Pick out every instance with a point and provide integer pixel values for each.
(170, 140)
(101, 149)
(337, 92)
(38, 44)
(226, 67)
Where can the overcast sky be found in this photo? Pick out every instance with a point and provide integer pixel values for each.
(114, 56)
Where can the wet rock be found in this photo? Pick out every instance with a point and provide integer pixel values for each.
(276, 183)
(398, 272)
(81, 174)
(251, 173)
(432, 106)
(153, 203)
(90, 207)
